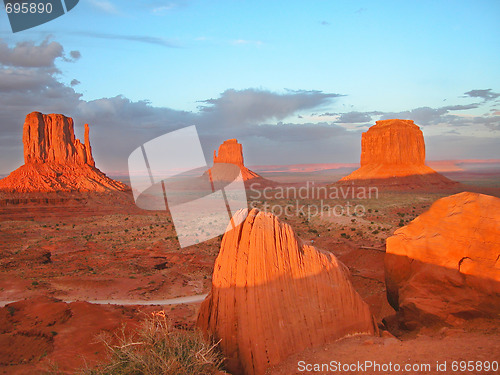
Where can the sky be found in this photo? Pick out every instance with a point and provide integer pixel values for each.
(294, 81)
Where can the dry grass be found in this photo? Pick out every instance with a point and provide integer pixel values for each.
(153, 349)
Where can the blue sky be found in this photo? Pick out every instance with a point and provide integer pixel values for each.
(292, 75)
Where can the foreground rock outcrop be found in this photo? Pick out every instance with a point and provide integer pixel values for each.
(393, 153)
(445, 265)
(231, 152)
(55, 160)
(273, 296)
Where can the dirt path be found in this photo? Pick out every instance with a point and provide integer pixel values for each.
(128, 302)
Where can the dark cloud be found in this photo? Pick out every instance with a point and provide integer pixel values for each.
(432, 116)
(492, 122)
(75, 55)
(251, 105)
(128, 38)
(456, 147)
(290, 132)
(486, 94)
(461, 107)
(354, 117)
(27, 54)
(29, 82)
(254, 116)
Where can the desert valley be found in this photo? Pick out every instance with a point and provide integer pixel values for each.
(391, 263)
(394, 262)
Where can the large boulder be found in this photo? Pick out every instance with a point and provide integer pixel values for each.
(55, 160)
(445, 265)
(273, 296)
(393, 154)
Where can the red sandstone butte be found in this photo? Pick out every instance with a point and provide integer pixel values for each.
(231, 152)
(273, 296)
(445, 265)
(393, 153)
(55, 160)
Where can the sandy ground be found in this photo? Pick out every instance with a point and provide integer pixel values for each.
(81, 248)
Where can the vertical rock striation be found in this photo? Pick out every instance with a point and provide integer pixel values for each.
(273, 296)
(55, 160)
(393, 154)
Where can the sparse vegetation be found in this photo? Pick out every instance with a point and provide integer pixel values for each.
(155, 349)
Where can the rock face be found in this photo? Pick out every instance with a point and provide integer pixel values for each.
(393, 142)
(55, 160)
(231, 152)
(273, 296)
(393, 153)
(445, 265)
(51, 138)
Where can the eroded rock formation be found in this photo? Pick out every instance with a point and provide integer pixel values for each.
(231, 152)
(273, 296)
(55, 160)
(445, 265)
(393, 153)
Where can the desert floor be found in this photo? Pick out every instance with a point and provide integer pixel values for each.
(57, 249)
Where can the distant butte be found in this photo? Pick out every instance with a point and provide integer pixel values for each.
(54, 160)
(231, 152)
(393, 154)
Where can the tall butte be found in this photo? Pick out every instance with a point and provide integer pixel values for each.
(393, 154)
(273, 296)
(231, 152)
(54, 160)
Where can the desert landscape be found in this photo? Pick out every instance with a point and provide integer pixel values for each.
(194, 187)
(392, 263)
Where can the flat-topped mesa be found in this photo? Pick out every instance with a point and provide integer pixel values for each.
(231, 152)
(393, 155)
(399, 142)
(273, 296)
(51, 138)
(55, 160)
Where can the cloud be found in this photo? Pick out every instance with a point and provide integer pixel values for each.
(486, 95)
(105, 6)
(27, 54)
(260, 119)
(160, 7)
(75, 55)
(354, 117)
(492, 122)
(29, 81)
(290, 132)
(253, 105)
(129, 38)
(432, 116)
